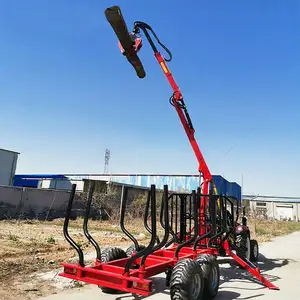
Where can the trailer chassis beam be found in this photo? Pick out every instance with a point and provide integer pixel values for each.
(254, 270)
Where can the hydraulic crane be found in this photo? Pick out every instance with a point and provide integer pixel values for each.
(130, 43)
(189, 257)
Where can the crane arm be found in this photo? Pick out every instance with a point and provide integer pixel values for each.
(130, 43)
(177, 101)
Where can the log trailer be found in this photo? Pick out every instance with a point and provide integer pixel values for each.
(198, 226)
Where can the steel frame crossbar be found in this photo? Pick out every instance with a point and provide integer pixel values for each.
(112, 274)
(132, 274)
(251, 268)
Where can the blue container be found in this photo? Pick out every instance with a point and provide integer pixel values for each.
(221, 184)
(236, 191)
(229, 189)
(32, 180)
(25, 182)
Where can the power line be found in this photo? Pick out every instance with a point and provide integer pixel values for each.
(264, 118)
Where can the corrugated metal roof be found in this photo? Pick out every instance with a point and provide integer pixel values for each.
(131, 174)
(272, 199)
(40, 176)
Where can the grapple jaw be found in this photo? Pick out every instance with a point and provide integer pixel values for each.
(129, 43)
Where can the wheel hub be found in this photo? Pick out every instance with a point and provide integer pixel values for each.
(214, 278)
(255, 251)
(248, 247)
(196, 286)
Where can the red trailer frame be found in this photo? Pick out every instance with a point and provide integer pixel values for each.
(120, 274)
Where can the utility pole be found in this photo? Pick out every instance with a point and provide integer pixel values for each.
(242, 183)
(106, 161)
(242, 190)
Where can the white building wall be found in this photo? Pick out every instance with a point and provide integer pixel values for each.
(8, 164)
(61, 184)
(284, 211)
(276, 210)
(45, 183)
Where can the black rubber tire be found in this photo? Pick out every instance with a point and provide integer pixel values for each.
(111, 254)
(254, 252)
(211, 274)
(184, 277)
(242, 244)
(131, 249)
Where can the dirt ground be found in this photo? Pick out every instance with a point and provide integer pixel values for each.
(31, 251)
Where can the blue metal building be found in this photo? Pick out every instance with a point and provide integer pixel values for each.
(35, 180)
(180, 182)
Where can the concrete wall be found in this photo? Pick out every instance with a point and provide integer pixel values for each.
(45, 203)
(18, 202)
(116, 188)
(8, 163)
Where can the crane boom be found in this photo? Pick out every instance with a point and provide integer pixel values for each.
(130, 43)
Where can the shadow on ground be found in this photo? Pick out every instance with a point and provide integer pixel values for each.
(160, 288)
(237, 274)
(231, 273)
(268, 264)
(222, 295)
(159, 284)
(228, 295)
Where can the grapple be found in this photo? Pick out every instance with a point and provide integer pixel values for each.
(129, 42)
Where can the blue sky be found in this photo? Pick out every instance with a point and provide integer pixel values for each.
(67, 93)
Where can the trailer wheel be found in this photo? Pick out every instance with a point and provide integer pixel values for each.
(243, 247)
(131, 249)
(111, 254)
(254, 250)
(186, 282)
(211, 273)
